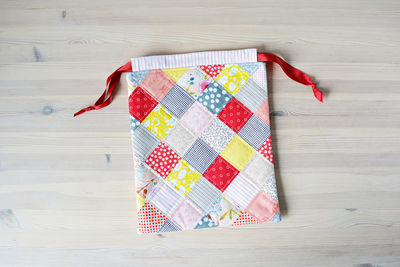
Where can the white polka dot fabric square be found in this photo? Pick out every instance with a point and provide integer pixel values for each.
(215, 98)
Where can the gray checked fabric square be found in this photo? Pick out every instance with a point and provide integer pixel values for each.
(180, 139)
(200, 156)
(177, 101)
(204, 194)
(252, 95)
(144, 142)
(217, 135)
(255, 132)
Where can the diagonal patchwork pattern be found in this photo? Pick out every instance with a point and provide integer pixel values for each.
(202, 147)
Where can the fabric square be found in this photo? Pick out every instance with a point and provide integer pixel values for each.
(262, 207)
(255, 132)
(145, 179)
(200, 156)
(159, 122)
(260, 76)
(187, 215)
(270, 188)
(250, 67)
(214, 98)
(235, 115)
(241, 191)
(212, 70)
(197, 118)
(232, 78)
(238, 153)
(204, 194)
(221, 173)
(177, 101)
(169, 226)
(157, 83)
(180, 139)
(266, 150)
(137, 77)
(252, 95)
(206, 222)
(194, 81)
(263, 112)
(141, 104)
(217, 135)
(164, 198)
(163, 159)
(175, 74)
(144, 142)
(183, 177)
(224, 213)
(258, 170)
(150, 219)
(244, 219)
(134, 123)
(140, 201)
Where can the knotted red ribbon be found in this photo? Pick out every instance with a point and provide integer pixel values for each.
(293, 73)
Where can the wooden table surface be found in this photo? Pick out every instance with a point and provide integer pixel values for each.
(66, 184)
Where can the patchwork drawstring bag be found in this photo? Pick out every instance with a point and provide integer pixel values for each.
(201, 138)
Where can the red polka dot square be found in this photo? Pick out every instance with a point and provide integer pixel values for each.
(150, 219)
(266, 150)
(221, 173)
(212, 70)
(163, 159)
(141, 104)
(235, 115)
(244, 219)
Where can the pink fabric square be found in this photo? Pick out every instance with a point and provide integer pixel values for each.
(263, 112)
(157, 83)
(262, 207)
(187, 215)
(197, 118)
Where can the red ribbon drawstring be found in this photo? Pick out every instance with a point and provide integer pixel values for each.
(293, 73)
(106, 97)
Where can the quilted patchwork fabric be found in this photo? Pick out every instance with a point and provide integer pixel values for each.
(202, 147)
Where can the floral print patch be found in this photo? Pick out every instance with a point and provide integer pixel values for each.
(232, 78)
(183, 177)
(159, 122)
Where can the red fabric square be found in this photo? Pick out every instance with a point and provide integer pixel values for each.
(266, 150)
(212, 70)
(221, 173)
(163, 159)
(141, 104)
(150, 219)
(235, 115)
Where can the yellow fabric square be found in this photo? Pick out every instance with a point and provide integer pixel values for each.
(175, 74)
(232, 78)
(238, 152)
(140, 201)
(183, 177)
(159, 122)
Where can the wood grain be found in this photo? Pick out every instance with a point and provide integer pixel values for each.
(66, 184)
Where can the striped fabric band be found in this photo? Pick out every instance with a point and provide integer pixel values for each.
(194, 59)
(241, 191)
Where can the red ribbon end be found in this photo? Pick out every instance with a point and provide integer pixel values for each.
(317, 93)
